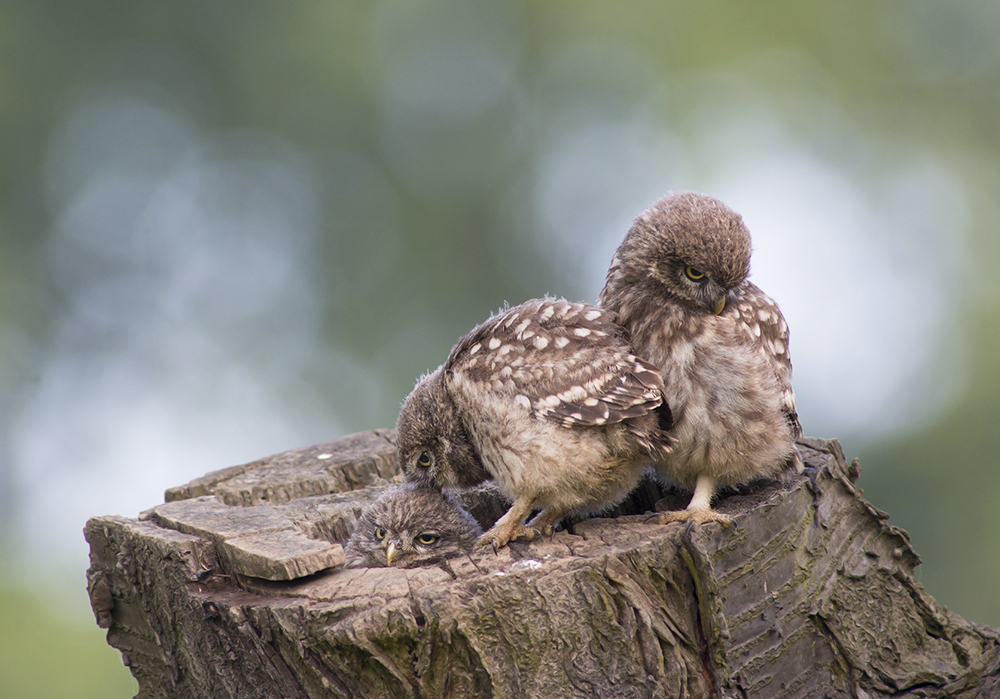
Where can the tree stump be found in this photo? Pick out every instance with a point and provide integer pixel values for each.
(234, 588)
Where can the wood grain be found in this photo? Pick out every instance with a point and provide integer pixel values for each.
(812, 595)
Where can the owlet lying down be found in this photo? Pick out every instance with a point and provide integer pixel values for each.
(409, 527)
(546, 398)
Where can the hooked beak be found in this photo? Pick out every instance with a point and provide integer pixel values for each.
(720, 305)
(391, 554)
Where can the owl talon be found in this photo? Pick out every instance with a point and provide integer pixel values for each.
(500, 537)
(692, 517)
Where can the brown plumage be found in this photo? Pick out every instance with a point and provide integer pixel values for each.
(678, 283)
(547, 399)
(409, 527)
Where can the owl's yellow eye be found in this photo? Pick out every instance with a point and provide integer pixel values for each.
(695, 275)
(424, 460)
(379, 533)
(427, 539)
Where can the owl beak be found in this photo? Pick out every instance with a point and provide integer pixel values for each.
(720, 305)
(391, 553)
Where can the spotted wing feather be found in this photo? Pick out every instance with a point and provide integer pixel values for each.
(769, 331)
(565, 362)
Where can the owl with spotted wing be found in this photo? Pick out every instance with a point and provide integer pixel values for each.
(409, 527)
(678, 284)
(549, 401)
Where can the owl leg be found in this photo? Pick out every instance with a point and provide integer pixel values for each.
(545, 521)
(699, 510)
(510, 525)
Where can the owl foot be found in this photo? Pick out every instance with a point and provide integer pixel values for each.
(544, 523)
(509, 526)
(693, 516)
(499, 536)
(699, 510)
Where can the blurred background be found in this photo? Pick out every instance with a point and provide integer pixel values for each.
(230, 229)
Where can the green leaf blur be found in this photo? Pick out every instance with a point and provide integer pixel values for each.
(43, 654)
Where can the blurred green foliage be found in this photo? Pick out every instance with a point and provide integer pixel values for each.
(941, 484)
(45, 655)
(424, 170)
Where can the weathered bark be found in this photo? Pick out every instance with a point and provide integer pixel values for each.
(233, 589)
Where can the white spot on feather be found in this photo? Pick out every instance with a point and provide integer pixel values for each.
(581, 332)
(541, 342)
(574, 394)
(494, 343)
(561, 342)
(592, 315)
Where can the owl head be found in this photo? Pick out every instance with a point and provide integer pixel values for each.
(434, 449)
(688, 247)
(409, 526)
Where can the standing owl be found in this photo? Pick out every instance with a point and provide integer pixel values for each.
(678, 283)
(547, 399)
(409, 527)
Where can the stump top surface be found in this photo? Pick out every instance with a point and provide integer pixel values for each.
(311, 572)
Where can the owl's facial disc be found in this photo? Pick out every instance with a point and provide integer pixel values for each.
(434, 448)
(690, 284)
(399, 548)
(700, 278)
(423, 464)
(419, 465)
